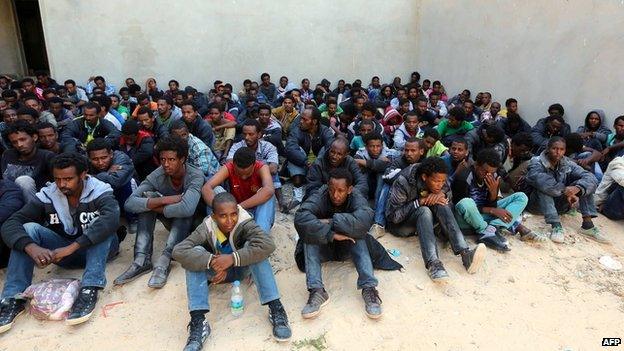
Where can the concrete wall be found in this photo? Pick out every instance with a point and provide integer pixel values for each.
(566, 51)
(10, 52)
(197, 42)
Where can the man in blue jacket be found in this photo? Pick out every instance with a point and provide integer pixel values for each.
(71, 223)
(558, 185)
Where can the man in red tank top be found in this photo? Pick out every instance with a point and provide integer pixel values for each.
(251, 183)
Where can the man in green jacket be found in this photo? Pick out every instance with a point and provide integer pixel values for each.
(226, 247)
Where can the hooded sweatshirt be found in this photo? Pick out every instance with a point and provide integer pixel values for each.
(95, 218)
(602, 132)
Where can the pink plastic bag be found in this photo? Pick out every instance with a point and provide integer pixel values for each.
(52, 299)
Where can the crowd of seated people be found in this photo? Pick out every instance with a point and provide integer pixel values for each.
(83, 165)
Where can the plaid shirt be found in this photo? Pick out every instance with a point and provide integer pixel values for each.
(201, 156)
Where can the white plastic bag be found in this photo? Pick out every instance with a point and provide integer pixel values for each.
(52, 299)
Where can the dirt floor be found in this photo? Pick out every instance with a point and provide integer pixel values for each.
(548, 297)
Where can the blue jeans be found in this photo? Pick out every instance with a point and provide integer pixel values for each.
(550, 207)
(317, 254)
(93, 258)
(421, 220)
(197, 284)
(264, 214)
(380, 206)
(469, 217)
(613, 207)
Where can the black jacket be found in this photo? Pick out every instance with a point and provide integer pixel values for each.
(76, 131)
(202, 130)
(318, 174)
(298, 140)
(353, 219)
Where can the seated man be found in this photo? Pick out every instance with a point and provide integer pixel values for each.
(286, 113)
(336, 156)
(62, 115)
(487, 136)
(224, 131)
(271, 130)
(166, 111)
(546, 128)
(170, 194)
(615, 140)
(88, 127)
(195, 124)
(433, 145)
(408, 129)
(419, 197)
(521, 154)
(610, 192)
(139, 146)
(475, 192)
(373, 160)
(364, 128)
(32, 102)
(250, 181)
(454, 126)
(199, 155)
(593, 131)
(25, 164)
(152, 125)
(303, 147)
(557, 185)
(336, 216)
(48, 138)
(12, 201)
(457, 159)
(265, 152)
(513, 124)
(114, 168)
(71, 223)
(226, 247)
(412, 153)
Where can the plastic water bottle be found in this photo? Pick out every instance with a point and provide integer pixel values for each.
(237, 304)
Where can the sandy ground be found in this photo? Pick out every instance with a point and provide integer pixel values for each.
(553, 297)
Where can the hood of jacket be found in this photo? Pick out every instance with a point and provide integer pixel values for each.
(92, 189)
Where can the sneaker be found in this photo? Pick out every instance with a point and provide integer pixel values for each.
(594, 233)
(279, 321)
(372, 302)
(199, 329)
(436, 271)
(473, 259)
(318, 299)
(83, 306)
(377, 231)
(527, 234)
(557, 235)
(10, 308)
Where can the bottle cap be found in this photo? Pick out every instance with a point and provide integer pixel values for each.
(236, 283)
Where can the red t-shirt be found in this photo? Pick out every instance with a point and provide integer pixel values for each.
(243, 189)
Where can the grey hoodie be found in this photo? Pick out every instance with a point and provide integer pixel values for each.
(95, 218)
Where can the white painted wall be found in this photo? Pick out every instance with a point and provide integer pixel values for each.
(566, 51)
(10, 52)
(197, 42)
